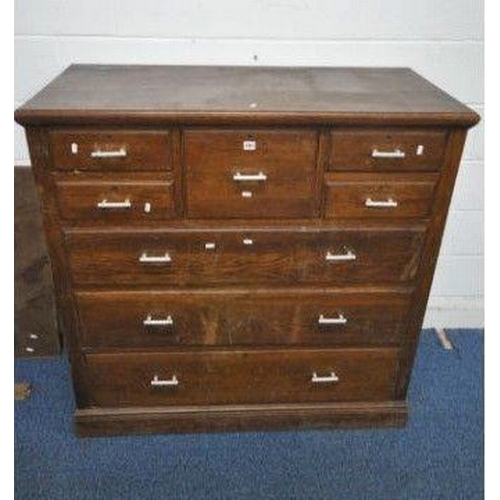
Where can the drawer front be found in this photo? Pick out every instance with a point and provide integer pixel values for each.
(109, 150)
(241, 377)
(386, 150)
(379, 195)
(148, 319)
(199, 258)
(114, 198)
(254, 174)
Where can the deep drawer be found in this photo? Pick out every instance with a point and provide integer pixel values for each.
(379, 195)
(232, 317)
(115, 198)
(200, 258)
(241, 377)
(387, 149)
(254, 174)
(108, 150)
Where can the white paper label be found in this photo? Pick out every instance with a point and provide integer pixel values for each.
(249, 145)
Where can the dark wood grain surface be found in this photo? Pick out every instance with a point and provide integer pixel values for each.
(355, 149)
(285, 160)
(142, 150)
(379, 196)
(100, 93)
(241, 317)
(293, 257)
(140, 198)
(236, 377)
(91, 422)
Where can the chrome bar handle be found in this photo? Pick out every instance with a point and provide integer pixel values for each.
(155, 259)
(150, 321)
(171, 382)
(260, 177)
(389, 203)
(396, 153)
(328, 379)
(337, 257)
(105, 204)
(119, 153)
(339, 320)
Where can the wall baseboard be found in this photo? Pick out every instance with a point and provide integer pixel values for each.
(455, 312)
(22, 163)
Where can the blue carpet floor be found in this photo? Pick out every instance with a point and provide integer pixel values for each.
(438, 456)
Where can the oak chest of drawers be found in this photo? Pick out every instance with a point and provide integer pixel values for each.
(242, 248)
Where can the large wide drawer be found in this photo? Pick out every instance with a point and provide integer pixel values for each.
(129, 319)
(258, 256)
(115, 198)
(251, 173)
(388, 149)
(240, 377)
(379, 195)
(107, 150)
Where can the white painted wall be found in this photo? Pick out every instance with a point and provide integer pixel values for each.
(443, 41)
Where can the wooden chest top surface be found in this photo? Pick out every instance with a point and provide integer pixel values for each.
(196, 93)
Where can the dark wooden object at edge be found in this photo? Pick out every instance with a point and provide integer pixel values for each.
(35, 325)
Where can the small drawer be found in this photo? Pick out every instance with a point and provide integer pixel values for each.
(108, 150)
(240, 377)
(143, 319)
(189, 257)
(251, 173)
(380, 150)
(379, 195)
(114, 197)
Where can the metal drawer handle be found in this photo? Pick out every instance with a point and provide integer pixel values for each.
(396, 153)
(105, 204)
(260, 177)
(171, 382)
(339, 320)
(119, 153)
(150, 321)
(155, 259)
(389, 203)
(348, 255)
(328, 379)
